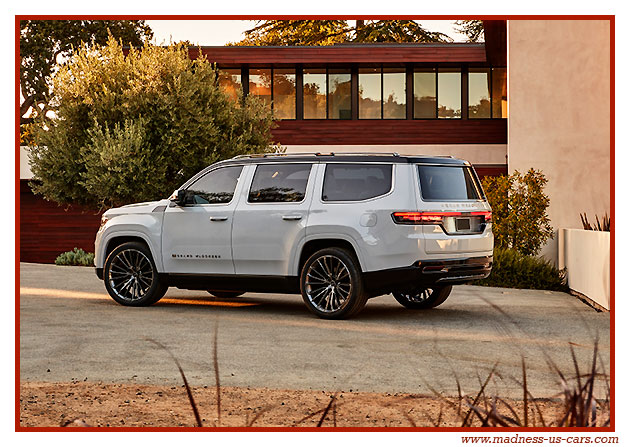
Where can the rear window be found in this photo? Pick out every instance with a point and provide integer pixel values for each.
(279, 183)
(449, 183)
(352, 182)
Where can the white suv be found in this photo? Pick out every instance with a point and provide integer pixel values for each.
(337, 228)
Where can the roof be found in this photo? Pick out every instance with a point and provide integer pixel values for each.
(344, 53)
(330, 157)
(346, 157)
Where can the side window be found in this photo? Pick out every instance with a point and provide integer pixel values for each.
(216, 186)
(279, 183)
(352, 182)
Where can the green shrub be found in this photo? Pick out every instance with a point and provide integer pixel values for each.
(75, 257)
(513, 269)
(519, 211)
(133, 127)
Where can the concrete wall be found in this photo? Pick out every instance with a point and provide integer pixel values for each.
(592, 278)
(559, 114)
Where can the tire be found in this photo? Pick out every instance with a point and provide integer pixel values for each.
(332, 285)
(225, 294)
(131, 277)
(425, 298)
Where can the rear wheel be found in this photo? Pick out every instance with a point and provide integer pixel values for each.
(224, 294)
(424, 298)
(331, 284)
(131, 277)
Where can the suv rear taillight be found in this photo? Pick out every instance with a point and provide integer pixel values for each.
(435, 217)
(487, 215)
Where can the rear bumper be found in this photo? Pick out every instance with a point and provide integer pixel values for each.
(99, 272)
(428, 273)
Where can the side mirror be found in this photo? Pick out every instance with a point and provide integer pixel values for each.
(179, 197)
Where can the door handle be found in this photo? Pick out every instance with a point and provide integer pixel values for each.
(218, 218)
(292, 217)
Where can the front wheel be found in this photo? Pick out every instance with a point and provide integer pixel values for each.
(131, 277)
(424, 298)
(331, 284)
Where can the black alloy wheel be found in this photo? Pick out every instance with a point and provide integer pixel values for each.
(332, 285)
(423, 298)
(131, 277)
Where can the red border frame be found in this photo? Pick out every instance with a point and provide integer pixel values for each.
(18, 428)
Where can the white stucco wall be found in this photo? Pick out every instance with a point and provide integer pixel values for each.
(559, 114)
(25, 168)
(592, 278)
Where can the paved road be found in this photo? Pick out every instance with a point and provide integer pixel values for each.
(70, 329)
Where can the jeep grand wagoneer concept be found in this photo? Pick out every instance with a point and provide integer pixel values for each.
(336, 228)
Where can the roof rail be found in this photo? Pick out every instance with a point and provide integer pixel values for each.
(280, 154)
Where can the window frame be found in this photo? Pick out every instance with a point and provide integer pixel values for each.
(308, 182)
(204, 174)
(381, 71)
(413, 92)
(391, 188)
(328, 93)
(272, 69)
(490, 69)
(304, 69)
(489, 72)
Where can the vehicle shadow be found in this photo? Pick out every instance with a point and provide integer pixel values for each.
(280, 305)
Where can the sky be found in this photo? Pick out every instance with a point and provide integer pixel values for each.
(220, 32)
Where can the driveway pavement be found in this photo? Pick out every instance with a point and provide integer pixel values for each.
(71, 330)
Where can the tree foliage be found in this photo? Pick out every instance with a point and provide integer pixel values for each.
(133, 128)
(330, 32)
(296, 32)
(399, 31)
(519, 211)
(45, 42)
(472, 29)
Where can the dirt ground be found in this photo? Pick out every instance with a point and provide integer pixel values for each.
(134, 405)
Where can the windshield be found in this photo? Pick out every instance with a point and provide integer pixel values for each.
(449, 183)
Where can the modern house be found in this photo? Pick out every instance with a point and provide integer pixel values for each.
(437, 99)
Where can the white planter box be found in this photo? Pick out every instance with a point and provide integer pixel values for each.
(586, 256)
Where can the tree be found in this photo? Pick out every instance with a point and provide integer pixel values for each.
(43, 43)
(134, 127)
(519, 211)
(330, 32)
(472, 29)
(399, 31)
(296, 32)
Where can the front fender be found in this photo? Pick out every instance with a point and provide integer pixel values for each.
(146, 227)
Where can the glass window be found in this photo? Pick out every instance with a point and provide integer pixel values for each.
(350, 182)
(448, 183)
(260, 83)
(370, 93)
(279, 183)
(449, 93)
(499, 93)
(479, 93)
(339, 104)
(394, 96)
(216, 186)
(230, 82)
(424, 86)
(283, 93)
(314, 93)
